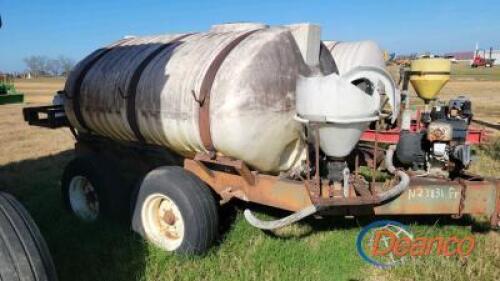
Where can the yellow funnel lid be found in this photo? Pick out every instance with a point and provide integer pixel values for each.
(428, 76)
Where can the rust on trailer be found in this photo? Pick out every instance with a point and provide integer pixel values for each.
(430, 196)
(425, 196)
(262, 189)
(495, 217)
(325, 195)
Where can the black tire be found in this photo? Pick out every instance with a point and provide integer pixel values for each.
(194, 200)
(23, 252)
(112, 195)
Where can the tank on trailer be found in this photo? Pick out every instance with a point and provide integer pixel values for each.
(178, 124)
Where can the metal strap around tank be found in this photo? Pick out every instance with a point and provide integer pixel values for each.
(76, 90)
(206, 87)
(134, 82)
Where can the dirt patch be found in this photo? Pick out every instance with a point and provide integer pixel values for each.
(40, 90)
(19, 141)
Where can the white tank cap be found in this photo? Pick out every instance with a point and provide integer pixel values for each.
(237, 26)
(308, 38)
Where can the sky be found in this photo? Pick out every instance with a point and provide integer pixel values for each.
(76, 28)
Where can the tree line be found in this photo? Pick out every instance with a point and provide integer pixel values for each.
(43, 65)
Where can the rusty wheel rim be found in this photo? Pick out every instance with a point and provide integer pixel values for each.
(163, 222)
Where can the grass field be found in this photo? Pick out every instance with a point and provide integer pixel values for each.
(462, 71)
(32, 160)
(481, 85)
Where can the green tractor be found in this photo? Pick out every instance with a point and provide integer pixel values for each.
(8, 93)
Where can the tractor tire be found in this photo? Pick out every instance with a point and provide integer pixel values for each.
(176, 211)
(92, 189)
(23, 252)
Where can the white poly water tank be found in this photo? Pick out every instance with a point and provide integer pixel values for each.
(233, 86)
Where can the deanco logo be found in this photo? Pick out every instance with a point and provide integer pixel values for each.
(387, 243)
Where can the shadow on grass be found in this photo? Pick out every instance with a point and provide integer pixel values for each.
(81, 251)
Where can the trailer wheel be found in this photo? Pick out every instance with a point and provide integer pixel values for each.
(89, 189)
(23, 252)
(176, 211)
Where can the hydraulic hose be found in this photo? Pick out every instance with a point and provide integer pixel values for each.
(268, 225)
(404, 179)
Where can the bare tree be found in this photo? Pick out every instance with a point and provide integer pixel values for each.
(66, 64)
(42, 65)
(53, 67)
(37, 65)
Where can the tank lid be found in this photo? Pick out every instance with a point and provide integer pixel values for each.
(237, 26)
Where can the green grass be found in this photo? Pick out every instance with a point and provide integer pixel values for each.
(486, 159)
(249, 254)
(316, 249)
(463, 71)
(482, 264)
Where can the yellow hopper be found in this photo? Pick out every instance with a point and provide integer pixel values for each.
(428, 76)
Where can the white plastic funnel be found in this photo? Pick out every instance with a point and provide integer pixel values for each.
(342, 109)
